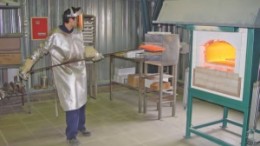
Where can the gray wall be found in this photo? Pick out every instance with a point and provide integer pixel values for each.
(119, 27)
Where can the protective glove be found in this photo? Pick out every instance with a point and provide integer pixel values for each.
(98, 57)
(25, 68)
(91, 52)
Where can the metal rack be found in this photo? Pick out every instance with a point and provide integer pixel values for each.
(89, 39)
(11, 56)
(10, 35)
(166, 60)
(161, 96)
(89, 30)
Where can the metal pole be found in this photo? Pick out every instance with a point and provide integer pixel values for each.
(56, 65)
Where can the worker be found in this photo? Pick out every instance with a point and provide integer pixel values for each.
(65, 44)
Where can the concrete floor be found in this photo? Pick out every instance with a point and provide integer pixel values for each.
(113, 123)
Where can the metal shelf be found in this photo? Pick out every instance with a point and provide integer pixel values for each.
(9, 7)
(11, 35)
(164, 95)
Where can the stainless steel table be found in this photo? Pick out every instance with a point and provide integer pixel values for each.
(139, 62)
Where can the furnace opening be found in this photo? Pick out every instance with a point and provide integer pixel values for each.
(221, 53)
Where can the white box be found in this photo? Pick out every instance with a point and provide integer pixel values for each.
(121, 79)
(134, 54)
(124, 71)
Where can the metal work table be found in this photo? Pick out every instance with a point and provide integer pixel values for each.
(139, 62)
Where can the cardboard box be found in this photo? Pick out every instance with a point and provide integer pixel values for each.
(133, 81)
(10, 59)
(156, 86)
(155, 78)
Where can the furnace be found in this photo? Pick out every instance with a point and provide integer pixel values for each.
(218, 62)
(224, 56)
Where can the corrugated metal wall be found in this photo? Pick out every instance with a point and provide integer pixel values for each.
(119, 27)
(10, 23)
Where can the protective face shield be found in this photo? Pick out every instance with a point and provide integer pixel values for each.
(78, 15)
(80, 22)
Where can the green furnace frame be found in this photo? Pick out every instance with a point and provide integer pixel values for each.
(250, 76)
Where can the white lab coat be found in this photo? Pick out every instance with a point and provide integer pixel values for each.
(70, 79)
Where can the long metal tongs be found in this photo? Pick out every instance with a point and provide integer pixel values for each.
(73, 61)
(55, 65)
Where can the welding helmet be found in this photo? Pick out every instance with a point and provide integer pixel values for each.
(75, 13)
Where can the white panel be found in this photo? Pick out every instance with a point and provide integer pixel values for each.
(11, 73)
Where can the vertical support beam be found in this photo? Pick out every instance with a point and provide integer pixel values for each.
(140, 96)
(189, 116)
(174, 83)
(158, 6)
(144, 89)
(95, 75)
(49, 15)
(251, 75)
(245, 128)
(145, 16)
(111, 65)
(161, 94)
(89, 70)
(189, 100)
(225, 115)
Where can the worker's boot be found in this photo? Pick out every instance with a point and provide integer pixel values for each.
(73, 142)
(85, 132)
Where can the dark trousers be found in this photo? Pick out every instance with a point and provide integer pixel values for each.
(75, 120)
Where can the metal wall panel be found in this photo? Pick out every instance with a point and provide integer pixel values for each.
(10, 23)
(119, 27)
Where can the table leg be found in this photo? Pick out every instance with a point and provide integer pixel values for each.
(140, 98)
(110, 76)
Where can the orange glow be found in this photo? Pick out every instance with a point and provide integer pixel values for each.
(220, 52)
